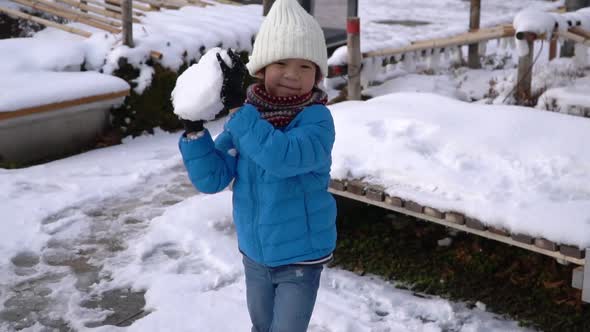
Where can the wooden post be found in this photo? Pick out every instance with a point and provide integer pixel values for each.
(567, 48)
(474, 18)
(126, 11)
(354, 58)
(525, 69)
(552, 48)
(266, 4)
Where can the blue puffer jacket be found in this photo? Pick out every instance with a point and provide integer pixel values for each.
(282, 210)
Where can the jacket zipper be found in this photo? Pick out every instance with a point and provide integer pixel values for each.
(255, 222)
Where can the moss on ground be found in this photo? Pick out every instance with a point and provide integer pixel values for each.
(531, 288)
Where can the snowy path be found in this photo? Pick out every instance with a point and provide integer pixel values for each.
(44, 286)
(107, 260)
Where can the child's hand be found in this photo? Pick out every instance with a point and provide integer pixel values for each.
(192, 126)
(233, 91)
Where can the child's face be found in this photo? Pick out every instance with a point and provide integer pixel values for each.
(289, 77)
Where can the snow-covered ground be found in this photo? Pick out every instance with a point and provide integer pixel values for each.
(125, 218)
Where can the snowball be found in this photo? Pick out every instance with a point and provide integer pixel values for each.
(196, 95)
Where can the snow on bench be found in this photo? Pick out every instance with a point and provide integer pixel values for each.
(33, 92)
(48, 114)
(512, 174)
(515, 171)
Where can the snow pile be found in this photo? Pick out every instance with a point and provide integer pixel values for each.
(38, 54)
(196, 95)
(565, 98)
(183, 35)
(576, 95)
(535, 21)
(512, 167)
(541, 23)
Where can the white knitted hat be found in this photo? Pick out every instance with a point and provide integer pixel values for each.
(288, 32)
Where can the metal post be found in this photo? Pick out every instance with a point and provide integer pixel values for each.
(354, 58)
(266, 4)
(586, 283)
(308, 5)
(525, 69)
(474, 18)
(353, 8)
(126, 13)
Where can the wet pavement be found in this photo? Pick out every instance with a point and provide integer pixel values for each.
(44, 286)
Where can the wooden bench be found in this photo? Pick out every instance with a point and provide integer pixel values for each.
(375, 195)
(55, 129)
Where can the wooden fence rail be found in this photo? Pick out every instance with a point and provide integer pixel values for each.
(475, 37)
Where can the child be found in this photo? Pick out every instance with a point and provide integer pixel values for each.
(277, 149)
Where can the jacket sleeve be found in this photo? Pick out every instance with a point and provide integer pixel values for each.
(303, 148)
(210, 165)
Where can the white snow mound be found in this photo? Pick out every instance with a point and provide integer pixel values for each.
(196, 95)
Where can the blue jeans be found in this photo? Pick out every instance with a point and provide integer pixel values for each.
(281, 299)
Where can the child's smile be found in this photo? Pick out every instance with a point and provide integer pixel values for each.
(289, 77)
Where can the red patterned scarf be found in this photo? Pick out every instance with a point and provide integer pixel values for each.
(279, 111)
